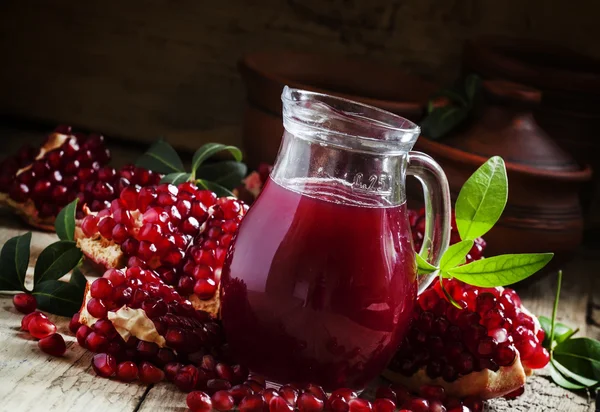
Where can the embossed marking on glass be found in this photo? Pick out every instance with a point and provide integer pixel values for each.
(321, 280)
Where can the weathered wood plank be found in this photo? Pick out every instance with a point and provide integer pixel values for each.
(30, 380)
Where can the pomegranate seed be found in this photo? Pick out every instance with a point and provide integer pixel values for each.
(239, 392)
(308, 402)
(105, 328)
(316, 390)
(101, 288)
(150, 374)
(252, 403)
(385, 392)
(338, 404)
(104, 364)
(186, 378)
(268, 394)
(278, 404)
(96, 307)
(171, 370)
(214, 385)
(199, 402)
(417, 405)
(40, 326)
(505, 355)
(24, 303)
(222, 401)
(127, 371)
(89, 225)
(289, 394)
(95, 341)
(539, 359)
(53, 345)
(82, 334)
(74, 323)
(205, 288)
(384, 405)
(106, 226)
(360, 405)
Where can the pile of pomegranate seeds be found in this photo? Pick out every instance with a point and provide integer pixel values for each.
(449, 342)
(180, 232)
(75, 169)
(253, 396)
(53, 180)
(40, 327)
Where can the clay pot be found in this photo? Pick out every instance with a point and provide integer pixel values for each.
(543, 211)
(266, 73)
(570, 108)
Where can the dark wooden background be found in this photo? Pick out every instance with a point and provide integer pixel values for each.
(147, 68)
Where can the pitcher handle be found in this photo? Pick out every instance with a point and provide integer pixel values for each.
(437, 211)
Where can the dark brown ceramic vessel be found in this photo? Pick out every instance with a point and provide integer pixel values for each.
(543, 212)
(570, 108)
(266, 73)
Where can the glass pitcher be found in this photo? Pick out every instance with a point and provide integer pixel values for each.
(320, 282)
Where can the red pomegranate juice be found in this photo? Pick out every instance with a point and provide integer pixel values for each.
(319, 285)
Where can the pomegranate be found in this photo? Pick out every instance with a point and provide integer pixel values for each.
(179, 232)
(38, 183)
(484, 350)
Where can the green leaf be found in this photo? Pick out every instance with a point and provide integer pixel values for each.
(560, 380)
(65, 222)
(573, 376)
(453, 95)
(580, 356)
(78, 279)
(228, 173)
(56, 260)
(561, 331)
(60, 298)
(455, 255)
(176, 178)
(14, 260)
(423, 266)
(501, 270)
(442, 120)
(472, 86)
(482, 199)
(214, 187)
(210, 149)
(161, 158)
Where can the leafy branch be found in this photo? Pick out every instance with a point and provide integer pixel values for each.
(221, 177)
(54, 262)
(479, 205)
(449, 108)
(574, 362)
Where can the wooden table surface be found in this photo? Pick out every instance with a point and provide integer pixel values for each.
(33, 381)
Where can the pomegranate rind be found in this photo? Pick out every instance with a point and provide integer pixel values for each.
(485, 384)
(27, 210)
(128, 322)
(101, 251)
(212, 306)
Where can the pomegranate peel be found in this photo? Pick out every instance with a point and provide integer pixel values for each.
(105, 253)
(485, 384)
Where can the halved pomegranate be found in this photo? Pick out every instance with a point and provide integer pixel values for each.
(38, 183)
(180, 232)
(485, 349)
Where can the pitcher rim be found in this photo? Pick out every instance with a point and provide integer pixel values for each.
(412, 129)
